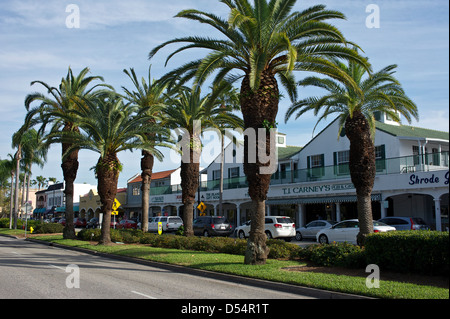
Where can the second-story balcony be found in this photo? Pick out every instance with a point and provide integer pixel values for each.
(398, 165)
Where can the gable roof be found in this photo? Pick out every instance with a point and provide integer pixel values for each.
(287, 152)
(155, 176)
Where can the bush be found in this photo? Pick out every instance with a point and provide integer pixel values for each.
(279, 249)
(425, 252)
(336, 254)
(50, 228)
(4, 222)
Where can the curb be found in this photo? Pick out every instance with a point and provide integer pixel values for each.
(259, 283)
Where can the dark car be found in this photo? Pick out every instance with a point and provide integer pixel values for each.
(79, 222)
(212, 226)
(405, 223)
(127, 224)
(62, 221)
(92, 223)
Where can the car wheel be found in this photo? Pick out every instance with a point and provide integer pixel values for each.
(323, 239)
(298, 236)
(269, 235)
(241, 235)
(205, 233)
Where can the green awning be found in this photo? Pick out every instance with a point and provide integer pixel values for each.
(319, 200)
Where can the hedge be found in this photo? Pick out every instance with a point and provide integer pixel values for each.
(278, 248)
(424, 252)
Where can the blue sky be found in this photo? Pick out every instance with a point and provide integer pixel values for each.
(36, 44)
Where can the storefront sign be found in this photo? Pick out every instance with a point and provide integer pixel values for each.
(317, 189)
(429, 179)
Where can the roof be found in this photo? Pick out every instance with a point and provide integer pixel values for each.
(288, 152)
(55, 187)
(155, 176)
(411, 131)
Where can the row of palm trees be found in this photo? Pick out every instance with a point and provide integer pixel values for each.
(263, 45)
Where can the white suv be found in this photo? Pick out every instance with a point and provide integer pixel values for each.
(276, 227)
(169, 223)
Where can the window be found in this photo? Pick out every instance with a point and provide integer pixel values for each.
(380, 157)
(136, 190)
(233, 172)
(316, 166)
(280, 140)
(216, 175)
(415, 150)
(341, 162)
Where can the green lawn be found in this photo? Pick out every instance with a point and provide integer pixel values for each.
(272, 271)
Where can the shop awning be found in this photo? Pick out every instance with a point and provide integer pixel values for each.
(318, 200)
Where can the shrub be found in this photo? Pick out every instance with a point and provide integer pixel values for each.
(425, 252)
(4, 222)
(279, 249)
(335, 254)
(50, 228)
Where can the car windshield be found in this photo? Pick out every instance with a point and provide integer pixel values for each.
(284, 220)
(175, 220)
(375, 223)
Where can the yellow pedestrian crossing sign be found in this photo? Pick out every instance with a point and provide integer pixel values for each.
(201, 207)
(116, 205)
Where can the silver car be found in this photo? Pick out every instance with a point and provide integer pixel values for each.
(405, 223)
(312, 228)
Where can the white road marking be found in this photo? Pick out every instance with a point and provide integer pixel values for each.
(141, 294)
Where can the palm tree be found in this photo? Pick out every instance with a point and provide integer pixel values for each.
(9, 166)
(51, 111)
(381, 93)
(263, 41)
(108, 127)
(150, 96)
(41, 181)
(194, 114)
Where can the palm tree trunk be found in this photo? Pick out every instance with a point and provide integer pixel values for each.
(108, 177)
(362, 170)
(70, 168)
(258, 107)
(189, 185)
(147, 162)
(18, 157)
(11, 208)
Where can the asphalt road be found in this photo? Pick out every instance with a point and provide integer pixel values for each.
(35, 271)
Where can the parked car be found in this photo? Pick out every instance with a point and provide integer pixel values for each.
(347, 230)
(55, 219)
(92, 223)
(405, 223)
(127, 224)
(212, 226)
(79, 222)
(62, 221)
(275, 227)
(169, 223)
(311, 229)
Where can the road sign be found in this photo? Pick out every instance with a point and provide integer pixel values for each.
(115, 213)
(160, 228)
(201, 207)
(116, 205)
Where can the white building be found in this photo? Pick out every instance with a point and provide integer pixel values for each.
(314, 181)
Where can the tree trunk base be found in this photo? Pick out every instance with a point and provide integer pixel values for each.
(69, 233)
(257, 251)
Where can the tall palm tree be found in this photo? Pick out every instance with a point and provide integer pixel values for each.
(108, 127)
(194, 114)
(381, 93)
(263, 41)
(9, 166)
(50, 111)
(149, 95)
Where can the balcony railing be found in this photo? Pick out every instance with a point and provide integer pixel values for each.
(398, 165)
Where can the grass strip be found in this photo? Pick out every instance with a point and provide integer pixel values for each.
(272, 270)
